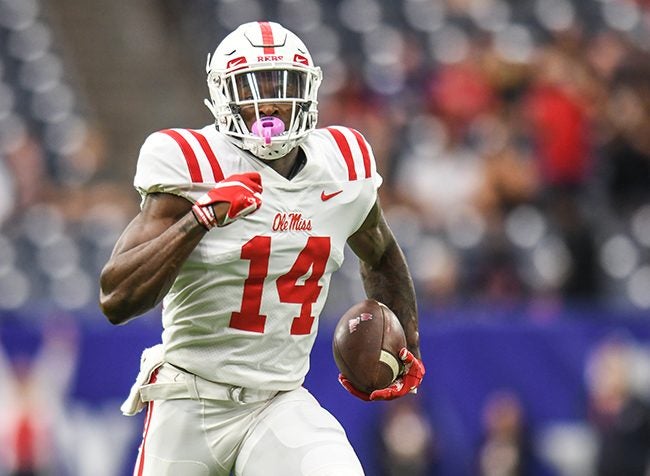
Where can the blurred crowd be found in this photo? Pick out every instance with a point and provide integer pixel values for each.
(513, 138)
(517, 161)
(611, 436)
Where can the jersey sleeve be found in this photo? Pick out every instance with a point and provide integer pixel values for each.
(358, 159)
(376, 177)
(162, 168)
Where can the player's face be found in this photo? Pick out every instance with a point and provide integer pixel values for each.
(274, 88)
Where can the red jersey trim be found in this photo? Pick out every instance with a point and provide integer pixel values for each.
(188, 153)
(267, 38)
(344, 147)
(212, 159)
(364, 151)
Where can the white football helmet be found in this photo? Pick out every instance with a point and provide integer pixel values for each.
(258, 63)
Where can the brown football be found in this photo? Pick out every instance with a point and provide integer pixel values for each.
(366, 344)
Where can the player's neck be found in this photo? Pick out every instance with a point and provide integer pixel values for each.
(289, 165)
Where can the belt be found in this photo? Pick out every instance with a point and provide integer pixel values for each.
(187, 385)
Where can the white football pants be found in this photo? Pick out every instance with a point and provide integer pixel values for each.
(289, 434)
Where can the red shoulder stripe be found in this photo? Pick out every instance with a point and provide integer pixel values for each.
(188, 153)
(212, 159)
(344, 147)
(364, 151)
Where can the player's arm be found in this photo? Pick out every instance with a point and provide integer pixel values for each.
(387, 279)
(385, 274)
(147, 257)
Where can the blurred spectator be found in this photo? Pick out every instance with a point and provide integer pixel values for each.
(7, 192)
(459, 92)
(439, 174)
(407, 440)
(505, 449)
(559, 123)
(559, 108)
(617, 411)
(625, 149)
(25, 166)
(32, 400)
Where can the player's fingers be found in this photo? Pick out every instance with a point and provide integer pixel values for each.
(417, 368)
(346, 385)
(412, 365)
(351, 388)
(384, 394)
(379, 395)
(390, 392)
(255, 180)
(406, 356)
(252, 180)
(255, 177)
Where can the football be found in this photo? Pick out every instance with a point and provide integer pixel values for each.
(367, 340)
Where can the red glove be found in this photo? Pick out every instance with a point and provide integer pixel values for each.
(241, 191)
(350, 388)
(408, 381)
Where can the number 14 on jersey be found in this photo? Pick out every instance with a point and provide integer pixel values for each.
(311, 260)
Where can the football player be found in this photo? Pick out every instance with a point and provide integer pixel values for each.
(242, 224)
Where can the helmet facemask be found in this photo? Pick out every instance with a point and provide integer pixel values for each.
(253, 86)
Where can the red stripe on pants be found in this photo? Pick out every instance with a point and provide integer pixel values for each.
(146, 428)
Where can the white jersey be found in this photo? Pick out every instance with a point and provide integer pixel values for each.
(244, 308)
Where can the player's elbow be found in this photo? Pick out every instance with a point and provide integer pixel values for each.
(113, 317)
(114, 309)
(115, 301)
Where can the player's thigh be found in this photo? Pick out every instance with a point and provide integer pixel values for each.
(296, 436)
(174, 442)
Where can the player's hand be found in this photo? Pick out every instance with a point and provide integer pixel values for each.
(242, 193)
(351, 388)
(407, 382)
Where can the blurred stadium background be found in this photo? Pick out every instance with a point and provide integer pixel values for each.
(514, 140)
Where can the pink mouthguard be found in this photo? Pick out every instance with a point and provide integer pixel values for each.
(268, 127)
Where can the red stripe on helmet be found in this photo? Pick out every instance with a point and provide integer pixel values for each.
(188, 153)
(267, 38)
(344, 147)
(364, 151)
(212, 159)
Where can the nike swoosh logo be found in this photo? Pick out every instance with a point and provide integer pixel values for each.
(326, 196)
(236, 62)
